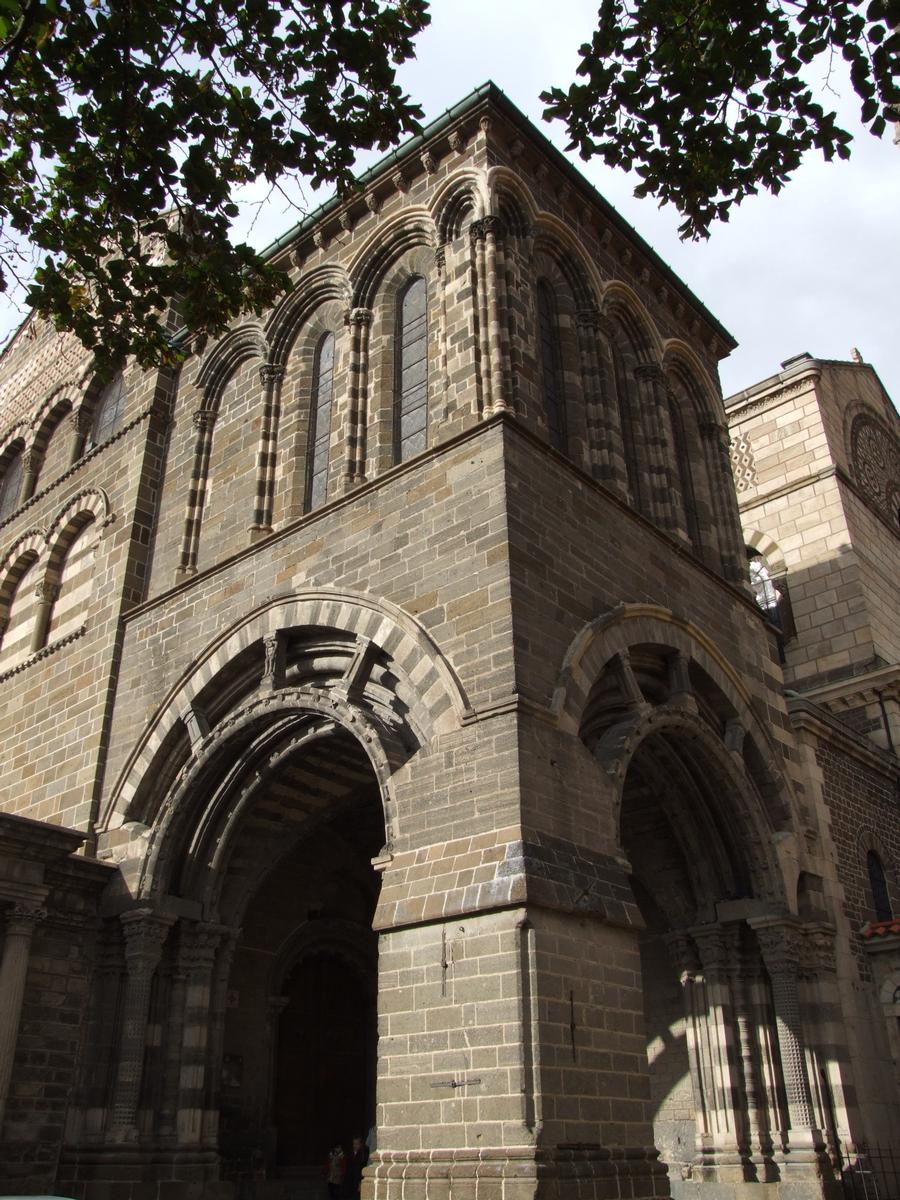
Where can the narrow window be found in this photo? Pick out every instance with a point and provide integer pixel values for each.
(551, 367)
(11, 485)
(411, 397)
(108, 413)
(320, 424)
(878, 883)
(685, 477)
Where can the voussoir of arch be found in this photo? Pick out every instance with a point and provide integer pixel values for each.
(92, 501)
(409, 229)
(31, 542)
(414, 654)
(619, 300)
(677, 353)
(19, 432)
(460, 185)
(554, 238)
(237, 346)
(327, 283)
(501, 179)
(631, 624)
(64, 393)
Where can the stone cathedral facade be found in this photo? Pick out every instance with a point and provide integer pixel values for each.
(401, 734)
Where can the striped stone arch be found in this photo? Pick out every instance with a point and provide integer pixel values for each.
(324, 284)
(745, 752)
(66, 393)
(511, 200)
(620, 302)
(555, 239)
(439, 704)
(410, 229)
(19, 432)
(27, 549)
(90, 505)
(236, 347)
(463, 192)
(679, 359)
(767, 548)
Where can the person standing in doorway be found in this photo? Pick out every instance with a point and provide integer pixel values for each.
(336, 1172)
(359, 1156)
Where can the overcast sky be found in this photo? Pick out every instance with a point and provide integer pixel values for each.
(815, 269)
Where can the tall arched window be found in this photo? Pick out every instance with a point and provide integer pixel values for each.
(551, 366)
(881, 897)
(108, 413)
(411, 393)
(11, 484)
(685, 474)
(320, 424)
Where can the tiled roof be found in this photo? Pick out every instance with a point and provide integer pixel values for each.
(881, 928)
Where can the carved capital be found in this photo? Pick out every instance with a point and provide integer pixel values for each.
(31, 462)
(651, 372)
(81, 422)
(360, 316)
(271, 373)
(588, 318)
(46, 591)
(23, 918)
(197, 947)
(485, 124)
(427, 160)
(440, 257)
(717, 946)
(493, 226)
(781, 948)
(204, 419)
(456, 141)
(400, 182)
(683, 955)
(373, 204)
(346, 221)
(320, 241)
(145, 933)
(477, 231)
(819, 956)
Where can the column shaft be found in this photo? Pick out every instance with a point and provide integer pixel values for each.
(20, 926)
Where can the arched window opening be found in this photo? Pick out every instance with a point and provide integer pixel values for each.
(18, 613)
(108, 413)
(772, 596)
(551, 366)
(628, 417)
(11, 485)
(411, 395)
(881, 898)
(320, 424)
(76, 582)
(685, 474)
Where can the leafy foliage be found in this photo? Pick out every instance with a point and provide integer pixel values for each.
(707, 100)
(126, 125)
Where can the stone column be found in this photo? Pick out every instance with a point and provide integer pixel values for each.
(196, 959)
(360, 321)
(728, 523)
(204, 422)
(780, 946)
(218, 995)
(745, 971)
(715, 946)
(440, 266)
(825, 1036)
(276, 1006)
(145, 933)
(477, 234)
(270, 375)
(81, 426)
(21, 922)
(46, 594)
(683, 955)
(492, 230)
(168, 1116)
(31, 465)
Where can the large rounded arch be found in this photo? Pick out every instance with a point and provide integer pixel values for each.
(324, 285)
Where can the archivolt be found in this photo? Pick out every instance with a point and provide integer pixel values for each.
(555, 239)
(318, 287)
(438, 700)
(411, 228)
(461, 192)
(621, 303)
(248, 341)
(681, 360)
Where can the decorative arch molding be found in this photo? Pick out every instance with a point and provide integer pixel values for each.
(503, 183)
(679, 359)
(617, 746)
(555, 239)
(873, 453)
(463, 190)
(598, 642)
(31, 543)
(235, 348)
(19, 432)
(321, 286)
(66, 393)
(197, 844)
(411, 228)
(92, 502)
(441, 700)
(621, 303)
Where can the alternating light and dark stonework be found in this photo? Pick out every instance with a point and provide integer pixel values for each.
(394, 729)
